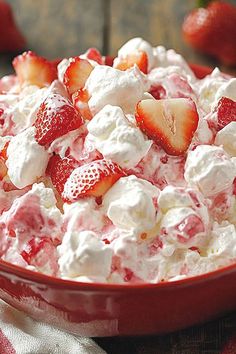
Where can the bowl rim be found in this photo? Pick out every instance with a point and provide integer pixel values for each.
(56, 282)
(33, 276)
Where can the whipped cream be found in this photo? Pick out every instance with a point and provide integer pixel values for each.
(210, 169)
(129, 203)
(227, 138)
(107, 85)
(27, 160)
(134, 45)
(116, 138)
(84, 254)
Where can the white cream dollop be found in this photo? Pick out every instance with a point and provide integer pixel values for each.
(107, 85)
(116, 138)
(210, 169)
(222, 246)
(84, 254)
(27, 160)
(227, 138)
(83, 215)
(129, 204)
(134, 45)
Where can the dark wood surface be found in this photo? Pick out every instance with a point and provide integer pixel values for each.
(60, 28)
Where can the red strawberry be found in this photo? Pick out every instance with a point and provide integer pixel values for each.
(3, 158)
(108, 60)
(139, 58)
(171, 123)
(94, 54)
(56, 116)
(80, 100)
(76, 74)
(34, 70)
(11, 39)
(92, 179)
(59, 170)
(212, 30)
(226, 112)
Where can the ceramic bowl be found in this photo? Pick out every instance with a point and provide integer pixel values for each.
(113, 309)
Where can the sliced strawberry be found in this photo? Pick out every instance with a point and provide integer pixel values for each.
(108, 60)
(139, 58)
(77, 74)
(80, 100)
(171, 123)
(226, 112)
(92, 179)
(95, 55)
(56, 116)
(59, 170)
(34, 70)
(158, 92)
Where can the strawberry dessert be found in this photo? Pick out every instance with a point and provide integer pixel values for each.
(117, 171)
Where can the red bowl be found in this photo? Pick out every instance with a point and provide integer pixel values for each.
(108, 310)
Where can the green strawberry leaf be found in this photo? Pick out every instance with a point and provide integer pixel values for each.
(203, 3)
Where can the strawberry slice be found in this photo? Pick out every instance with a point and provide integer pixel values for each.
(77, 74)
(59, 170)
(95, 55)
(92, 179)
(226, 112)
(56, 116)
(80, 100)
(34, 70)
(171, 123)
(139, 58)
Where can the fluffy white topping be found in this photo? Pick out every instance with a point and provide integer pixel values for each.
(107, 85)
(48, 207)
(27, 160)
(61, 68)
(227, 138)
(133, 45)
(168, 58)
(183, 227)
(210, 169)
(25, 110)
(223, 243)
(83, 215)
(116, 138)
(84, 254)
(207, 89)
(129, 204)
(227, 89)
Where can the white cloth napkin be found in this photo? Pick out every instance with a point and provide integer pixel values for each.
(19, 334)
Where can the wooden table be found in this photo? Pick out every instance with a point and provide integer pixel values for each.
(62, 28)
(59, 28)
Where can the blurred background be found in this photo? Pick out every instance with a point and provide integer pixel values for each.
(63, 28)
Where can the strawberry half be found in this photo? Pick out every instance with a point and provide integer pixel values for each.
(92, 179)
(34, 70)
(56, 116)
(59, 170)
(77, 74)
(139, 58)
(171, 123)
(226, 112)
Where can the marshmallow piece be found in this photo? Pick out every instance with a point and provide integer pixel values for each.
(27, 160)
(116, 138)
(107, 85)
(210, 169)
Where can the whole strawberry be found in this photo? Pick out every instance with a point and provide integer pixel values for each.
(11, 39)
(212, 30)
